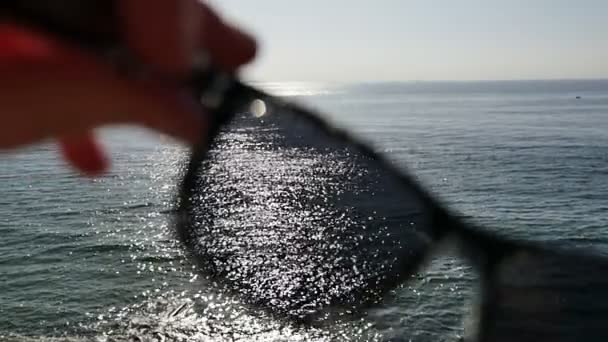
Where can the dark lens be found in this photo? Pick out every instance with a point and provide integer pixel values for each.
(297, 219)
(546, 296)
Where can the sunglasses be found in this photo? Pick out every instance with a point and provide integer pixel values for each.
(296, 217)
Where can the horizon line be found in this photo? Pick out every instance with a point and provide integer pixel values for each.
(430, 81)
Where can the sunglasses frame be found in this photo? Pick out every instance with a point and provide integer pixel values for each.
(482, 249)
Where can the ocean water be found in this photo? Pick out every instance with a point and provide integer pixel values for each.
(95, 259)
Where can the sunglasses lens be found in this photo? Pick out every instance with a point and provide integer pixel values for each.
(299, 220)
(542, 296)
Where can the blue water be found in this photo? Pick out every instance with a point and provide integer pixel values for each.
(94, 259)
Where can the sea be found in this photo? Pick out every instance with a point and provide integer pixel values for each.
(96, 259)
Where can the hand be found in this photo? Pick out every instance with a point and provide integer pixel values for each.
(49, 89)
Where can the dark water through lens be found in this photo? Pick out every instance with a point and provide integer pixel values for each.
(299, 222)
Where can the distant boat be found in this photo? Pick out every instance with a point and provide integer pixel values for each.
(578, 97)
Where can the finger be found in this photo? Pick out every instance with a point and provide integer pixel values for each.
(227, 46)
(38, 103)
(83, 152)
(168, 34)
(164, 33)
(183, 118)
(19, 45)
(64, 91)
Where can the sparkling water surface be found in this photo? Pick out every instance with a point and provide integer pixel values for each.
(94, 259)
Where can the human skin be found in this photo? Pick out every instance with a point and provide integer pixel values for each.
(50, 89)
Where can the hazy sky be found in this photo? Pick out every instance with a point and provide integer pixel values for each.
(367, 40)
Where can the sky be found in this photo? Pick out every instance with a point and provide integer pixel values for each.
(402, 40)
